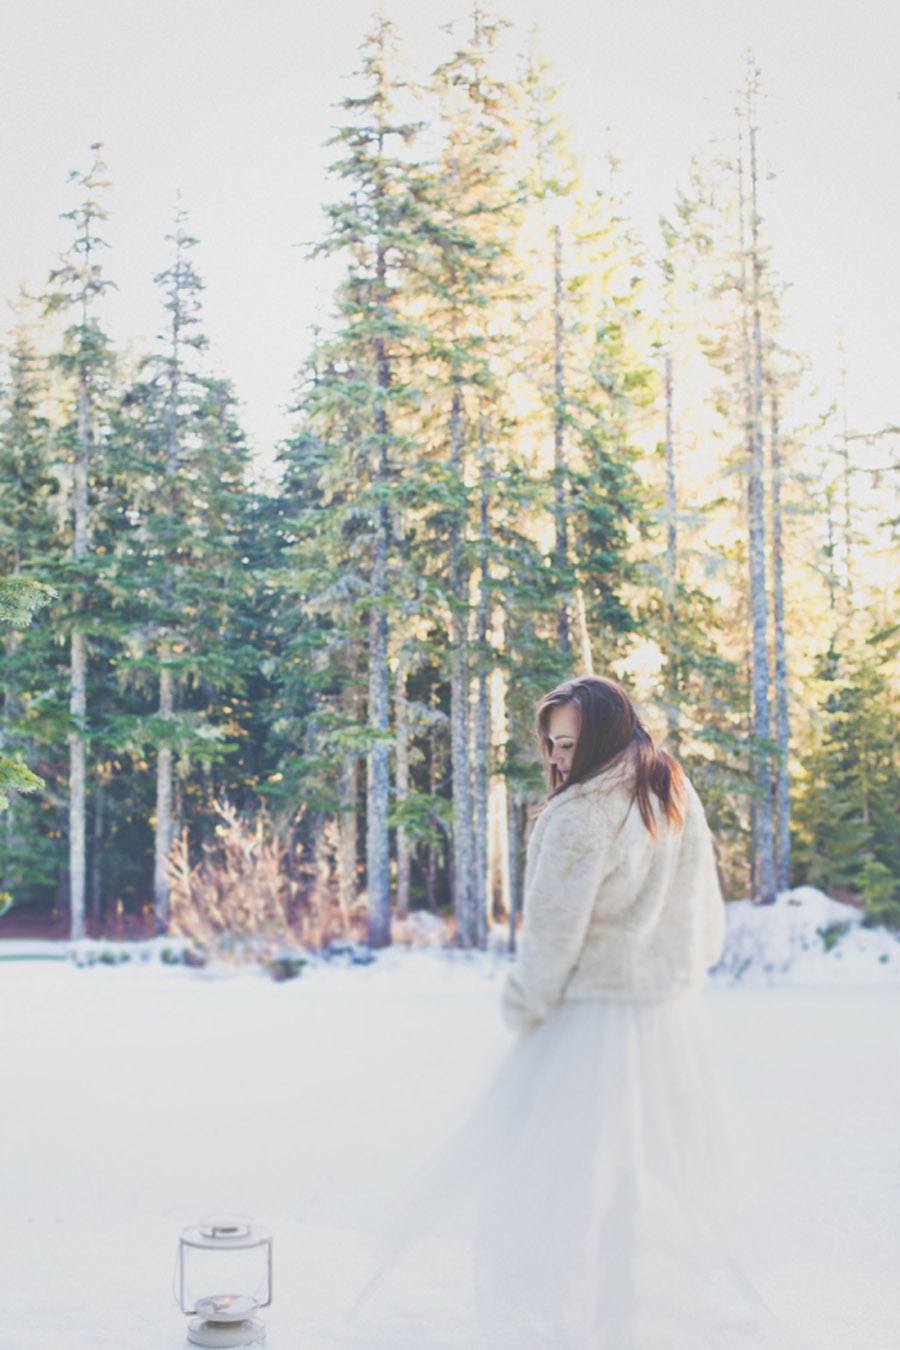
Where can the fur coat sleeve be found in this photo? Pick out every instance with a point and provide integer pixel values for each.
(568, 857)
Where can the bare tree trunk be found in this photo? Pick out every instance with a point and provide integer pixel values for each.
(77, 795)
(673, 718)
(348, 820)
(63, 873)
(378, 873)
(401, 722)
(434, 777)
(162, 835)
(431, 871)
(744, 478)
(499, 900)
(178, 813)
(97, 854)
(782, 724)
(378, 881)
(483, 699)
(78, 678)
(563, 635)
(464, 888)
(764, 843)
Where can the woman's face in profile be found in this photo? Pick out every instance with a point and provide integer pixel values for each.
(562, 732)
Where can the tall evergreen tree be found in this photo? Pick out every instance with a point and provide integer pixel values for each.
(184, 464)
(19, 598)
(86, 361)
(707, 326)
(27, 545)
(470, 281)
(585, 357)
(845, 833)
(317, 581)
(551, 182)
(365, 385)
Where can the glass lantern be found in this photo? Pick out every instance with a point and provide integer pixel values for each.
(224, 1276)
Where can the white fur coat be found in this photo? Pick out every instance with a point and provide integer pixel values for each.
(608, 911)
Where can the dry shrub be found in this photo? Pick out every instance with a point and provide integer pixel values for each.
(249, 897)
(421, 928)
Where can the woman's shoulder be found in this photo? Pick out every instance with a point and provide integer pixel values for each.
(606, 789)
(608, 794)
(584, 811)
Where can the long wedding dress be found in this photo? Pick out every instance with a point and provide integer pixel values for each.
(589, 1199)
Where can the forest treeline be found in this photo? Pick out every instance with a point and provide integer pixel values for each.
(527, 445)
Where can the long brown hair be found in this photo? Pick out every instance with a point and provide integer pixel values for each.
(610, 728)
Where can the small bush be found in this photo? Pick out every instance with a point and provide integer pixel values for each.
(421, 928)
(832, 935)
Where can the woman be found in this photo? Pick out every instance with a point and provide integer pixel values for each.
(593, 1182)
(620, 902)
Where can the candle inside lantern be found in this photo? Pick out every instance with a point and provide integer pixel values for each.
(226, 1307)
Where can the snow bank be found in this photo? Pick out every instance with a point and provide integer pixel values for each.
(804, 937)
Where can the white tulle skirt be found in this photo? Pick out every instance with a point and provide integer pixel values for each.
(588, 1200)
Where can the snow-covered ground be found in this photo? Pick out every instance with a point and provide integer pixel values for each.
(139, 1096)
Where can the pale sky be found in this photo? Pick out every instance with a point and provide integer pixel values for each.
(231, 100)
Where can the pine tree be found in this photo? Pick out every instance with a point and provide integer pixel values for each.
(551, 183)
(317, 591)
(20, 597)
(586, 358)
(469, 284)
(183, 467)
(363, 392)
(845, 829)
(86, 361)
(699, 680)
(705, 289)
(27, 542)
(612, 396)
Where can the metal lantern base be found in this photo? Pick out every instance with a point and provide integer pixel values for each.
(250, 1331)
